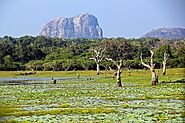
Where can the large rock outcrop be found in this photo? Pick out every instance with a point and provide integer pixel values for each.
(81, 26)
(168, 33)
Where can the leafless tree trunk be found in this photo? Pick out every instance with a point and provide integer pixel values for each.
(97, 69)
(119, 70)
(98, 57)
(151, 67)
(164, 63)
(118, 77)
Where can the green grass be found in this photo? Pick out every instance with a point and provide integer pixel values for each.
(48, 73)
(136, 73)
(95, 100)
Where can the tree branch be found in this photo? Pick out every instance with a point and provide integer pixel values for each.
(151, 59)
(95, 51)
(109, 59)
(112, 69)
(92, 58)
(103, 50)
(120, 62)
(148, 66)
(101, 58)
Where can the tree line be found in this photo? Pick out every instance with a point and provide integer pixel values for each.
(44, 53)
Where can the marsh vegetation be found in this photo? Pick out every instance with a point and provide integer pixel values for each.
(96, 99)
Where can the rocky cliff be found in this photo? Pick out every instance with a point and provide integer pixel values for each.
(81, 26)
(169, 33)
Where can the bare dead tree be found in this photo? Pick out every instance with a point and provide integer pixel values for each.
(117, 52)
(98, 57)
(119, 70)
(151, 67)
(164, 63)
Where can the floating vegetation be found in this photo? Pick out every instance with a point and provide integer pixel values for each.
(96, 100)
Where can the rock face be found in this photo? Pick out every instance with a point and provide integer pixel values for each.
(169, 33)
(81, 26)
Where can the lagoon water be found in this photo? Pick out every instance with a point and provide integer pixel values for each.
(41, 78)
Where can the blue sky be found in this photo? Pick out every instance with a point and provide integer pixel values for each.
(118, 18)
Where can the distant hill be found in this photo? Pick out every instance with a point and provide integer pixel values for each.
(80, 26)
(168, 33)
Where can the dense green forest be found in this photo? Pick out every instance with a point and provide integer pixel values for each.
(44, 53)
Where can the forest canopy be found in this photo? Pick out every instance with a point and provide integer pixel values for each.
(44, 53)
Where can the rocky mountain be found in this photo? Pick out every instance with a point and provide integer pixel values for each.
(169, 33)
(81, 26)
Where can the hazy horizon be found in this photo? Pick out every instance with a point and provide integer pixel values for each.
(117, 18)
